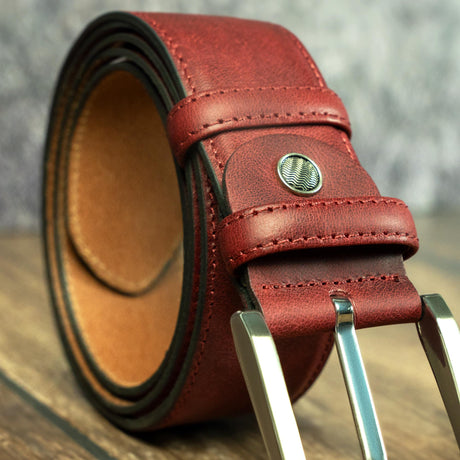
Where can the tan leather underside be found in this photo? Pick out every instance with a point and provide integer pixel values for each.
(123, 252)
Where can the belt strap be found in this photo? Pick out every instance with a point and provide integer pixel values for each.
(151, 249)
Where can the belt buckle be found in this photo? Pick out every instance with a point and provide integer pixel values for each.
(267, 389)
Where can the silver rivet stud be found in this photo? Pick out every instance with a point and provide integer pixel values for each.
(299, 174)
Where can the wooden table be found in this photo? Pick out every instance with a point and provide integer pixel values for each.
(43, 415)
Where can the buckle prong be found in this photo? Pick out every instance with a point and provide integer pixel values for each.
(354, 374)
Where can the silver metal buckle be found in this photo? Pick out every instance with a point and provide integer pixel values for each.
(262, 372)
(264, 378)
(440, 338)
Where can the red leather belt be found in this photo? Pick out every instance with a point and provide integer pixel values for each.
(196, 167)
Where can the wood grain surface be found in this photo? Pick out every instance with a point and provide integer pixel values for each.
(43, 414)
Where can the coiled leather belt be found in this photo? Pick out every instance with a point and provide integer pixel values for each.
(168, 208)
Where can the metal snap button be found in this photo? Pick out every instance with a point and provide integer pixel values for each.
(300, 174)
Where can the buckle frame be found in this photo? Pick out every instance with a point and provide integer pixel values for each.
(440, 337)
(260, 364)
(267, 389)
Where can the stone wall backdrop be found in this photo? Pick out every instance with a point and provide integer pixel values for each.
(396, 65)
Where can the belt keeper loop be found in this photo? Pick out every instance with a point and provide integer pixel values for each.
(263, 230)
(205, 114)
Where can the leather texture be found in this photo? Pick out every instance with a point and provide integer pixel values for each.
(149, 340)
(203, 115)
(307, 224)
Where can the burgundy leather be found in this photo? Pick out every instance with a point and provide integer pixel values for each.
(203, 115)
(351, 240)
(294, 289)
(307, 224)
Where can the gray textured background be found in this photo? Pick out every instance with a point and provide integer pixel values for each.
(396, 65)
